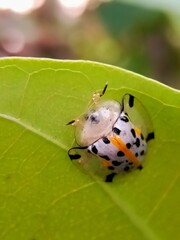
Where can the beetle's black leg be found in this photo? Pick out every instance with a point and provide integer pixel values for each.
(140, 167)
(75, 156)
(150, 136)
(110, 177)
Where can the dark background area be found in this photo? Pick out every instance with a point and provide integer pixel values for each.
(135, 35)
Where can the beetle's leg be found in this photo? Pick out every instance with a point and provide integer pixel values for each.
(110, 177)
(74, 154)
(150, 136)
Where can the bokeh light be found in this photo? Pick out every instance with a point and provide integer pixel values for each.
(14, 41)
(139, 35)
(24, 6)
(73, 8)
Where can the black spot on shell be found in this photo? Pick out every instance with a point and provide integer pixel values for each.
(106, 140)
(94, 150)
(136, 154)
(128, 145)
(116, 130)
(133, 132)
(124, 119)
(116, 163)
(137, 143)
(120, 154)
(105, 157)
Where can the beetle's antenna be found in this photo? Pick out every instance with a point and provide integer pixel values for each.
(71, 122)
(97, 95)
(104, 90)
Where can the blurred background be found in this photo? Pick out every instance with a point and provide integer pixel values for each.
(139, 35)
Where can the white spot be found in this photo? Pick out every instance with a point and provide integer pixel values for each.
(73, 8)
(21, 6)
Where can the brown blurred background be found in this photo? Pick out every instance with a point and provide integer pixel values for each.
(139, 35)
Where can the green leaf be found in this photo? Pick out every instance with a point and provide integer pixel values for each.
(42, 194)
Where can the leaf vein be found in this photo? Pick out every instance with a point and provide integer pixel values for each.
(129, 212)
(34, 130)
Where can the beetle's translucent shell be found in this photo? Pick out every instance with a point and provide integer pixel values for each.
(112, 137)
(97, 122)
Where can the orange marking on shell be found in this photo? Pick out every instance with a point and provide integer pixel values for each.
(106, 163)
(116, 141)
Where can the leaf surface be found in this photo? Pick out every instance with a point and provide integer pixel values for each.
(42, 194)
